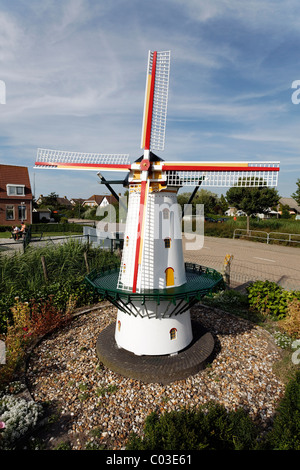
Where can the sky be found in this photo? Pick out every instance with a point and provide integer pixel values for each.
(73, 74)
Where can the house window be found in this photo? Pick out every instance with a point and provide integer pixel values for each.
(21, 212)
(15, 190)
(167, 242)
(10, 213)
(173, 333)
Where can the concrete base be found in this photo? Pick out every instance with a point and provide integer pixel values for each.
(156, 369)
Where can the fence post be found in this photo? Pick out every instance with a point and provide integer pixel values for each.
(86, 262)
(44, 268)
(226, 269)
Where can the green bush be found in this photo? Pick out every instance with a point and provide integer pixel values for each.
(63, 227)
(221, 230)
(22, 276)
(210, 427)
(269, 298)
(285, 433)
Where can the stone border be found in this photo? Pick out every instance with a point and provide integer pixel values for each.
(156, 369)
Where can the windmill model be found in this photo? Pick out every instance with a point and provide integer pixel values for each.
(154, 289)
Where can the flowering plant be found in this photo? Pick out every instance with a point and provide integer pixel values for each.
(17, 416)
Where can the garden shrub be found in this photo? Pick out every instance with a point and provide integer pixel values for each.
(270, 299)
(229, 300)
(22, 276)
(210, 427)
(291, 324)
(285, 433)
(62, 227)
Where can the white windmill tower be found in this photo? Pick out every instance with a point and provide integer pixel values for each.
(153, 288)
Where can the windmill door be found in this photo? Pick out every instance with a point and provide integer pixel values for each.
(169, 277)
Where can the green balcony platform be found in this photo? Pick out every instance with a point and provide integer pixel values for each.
(201, 281)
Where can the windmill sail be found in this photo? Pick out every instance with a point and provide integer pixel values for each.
(220, 174)
(156, 101)
(153, 136)
(65, 160)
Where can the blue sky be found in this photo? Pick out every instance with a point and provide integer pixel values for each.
(75, 74)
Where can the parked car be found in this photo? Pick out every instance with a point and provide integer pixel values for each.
(241, 213)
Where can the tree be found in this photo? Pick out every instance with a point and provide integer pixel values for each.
(252, 200)
(296, 194)
(207, 198)
(50, 200)
(223, 204)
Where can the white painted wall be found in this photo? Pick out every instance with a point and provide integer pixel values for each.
(151, 336)
(156, 258)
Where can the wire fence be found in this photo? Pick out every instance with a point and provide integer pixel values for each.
(11, 246)
(237, 274)
(268, 237)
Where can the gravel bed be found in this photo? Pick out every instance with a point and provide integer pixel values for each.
(98, 405)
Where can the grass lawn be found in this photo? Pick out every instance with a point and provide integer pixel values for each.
(46, 234)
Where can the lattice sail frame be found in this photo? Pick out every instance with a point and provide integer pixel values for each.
(228, 174)
(61, 159)
(158, 71)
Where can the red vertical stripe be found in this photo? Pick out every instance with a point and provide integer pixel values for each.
(138, 242)
(150, 104)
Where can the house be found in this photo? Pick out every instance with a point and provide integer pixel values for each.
(232, 211)
(15, 195)
(75, 201)
(64, 202)
(59, 201)
(96, 201)
(294, 208)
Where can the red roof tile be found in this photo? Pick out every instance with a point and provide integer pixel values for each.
(18, 175)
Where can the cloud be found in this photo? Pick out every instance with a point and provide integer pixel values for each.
(10, 36)
(75, 77)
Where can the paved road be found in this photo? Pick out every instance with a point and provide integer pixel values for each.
(251, 260)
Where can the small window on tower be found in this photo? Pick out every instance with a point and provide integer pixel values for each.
(173, 333)
(119, 325)
(127, 240)
(167, 242)
(166, 213)
(124, 268)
